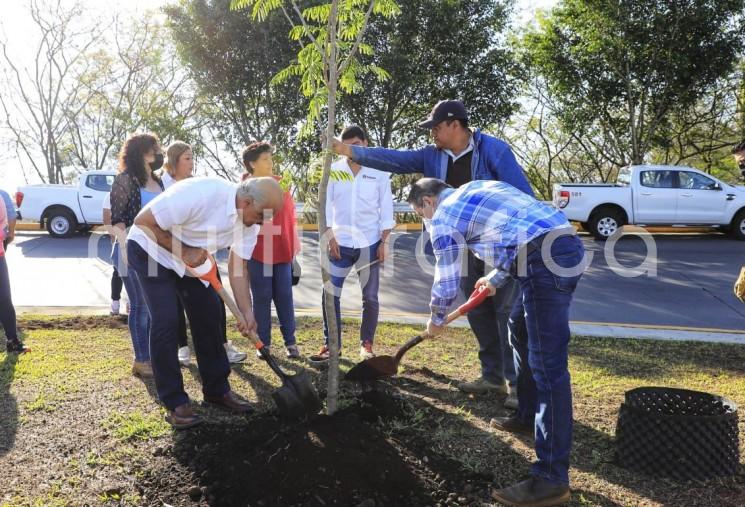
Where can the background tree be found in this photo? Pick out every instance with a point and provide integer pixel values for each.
(37, 95)
(434, 50)
(233, 60)
(133, 83)
(623, 67)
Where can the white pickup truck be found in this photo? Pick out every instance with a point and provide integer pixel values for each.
(654, 195)
(66, 209)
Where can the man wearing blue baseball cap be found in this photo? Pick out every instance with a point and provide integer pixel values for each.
(458, 156)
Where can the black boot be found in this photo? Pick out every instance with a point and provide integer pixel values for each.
(513, 424)
(534, 492)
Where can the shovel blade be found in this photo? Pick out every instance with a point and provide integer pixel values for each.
(297, 397)
(373, 369)
(305, 392)
(288, 404)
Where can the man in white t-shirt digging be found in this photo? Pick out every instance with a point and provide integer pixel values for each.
(179, 228)
(359, 212)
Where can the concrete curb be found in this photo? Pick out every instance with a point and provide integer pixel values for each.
(418, 227)
(592, 329)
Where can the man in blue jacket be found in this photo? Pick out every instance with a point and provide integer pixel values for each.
(458, 156)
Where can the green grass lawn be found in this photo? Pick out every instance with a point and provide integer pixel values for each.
(76, 428)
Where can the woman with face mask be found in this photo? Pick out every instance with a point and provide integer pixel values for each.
(134, 187)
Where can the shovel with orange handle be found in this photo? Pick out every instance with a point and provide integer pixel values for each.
(297, 396)
(387, 366)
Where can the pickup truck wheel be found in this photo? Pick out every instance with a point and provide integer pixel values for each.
(604, 223)
(61, 224)
(737, 231)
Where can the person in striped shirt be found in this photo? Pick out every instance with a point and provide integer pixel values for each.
(519, 238)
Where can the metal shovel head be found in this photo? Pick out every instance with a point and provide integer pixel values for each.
(373, 369)
(306, 393)
(297, 396)
(288, 403)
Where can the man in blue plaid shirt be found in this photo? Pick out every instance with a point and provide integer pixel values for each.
(523, 239)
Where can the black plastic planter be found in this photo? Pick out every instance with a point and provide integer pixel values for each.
(679, 434)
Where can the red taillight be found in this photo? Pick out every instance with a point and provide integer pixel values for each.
(19, 199)
(563, 199)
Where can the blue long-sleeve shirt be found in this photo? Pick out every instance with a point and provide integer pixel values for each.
(491, 218)
(492, 160)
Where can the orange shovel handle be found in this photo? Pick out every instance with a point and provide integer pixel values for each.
(477, 297)
(211, 277)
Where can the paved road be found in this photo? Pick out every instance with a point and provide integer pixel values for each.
(692, 287)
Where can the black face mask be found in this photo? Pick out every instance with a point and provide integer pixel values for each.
(157, 163)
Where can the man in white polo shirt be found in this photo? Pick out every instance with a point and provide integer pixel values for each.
(179, 228)
(359, 212)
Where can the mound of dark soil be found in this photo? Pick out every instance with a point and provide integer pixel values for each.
(339, 460)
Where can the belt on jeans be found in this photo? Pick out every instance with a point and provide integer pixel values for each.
(535, 244)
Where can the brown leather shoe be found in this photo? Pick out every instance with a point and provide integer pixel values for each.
(513, 425)
(230, 401)
(182, 417)
(142, 369)
(534, 492)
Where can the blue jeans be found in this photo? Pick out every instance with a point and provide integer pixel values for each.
(162, 290)
(7, 310)
(275, 285)
(539, 333)
(488, 322)
(370, 277)
(139, 315)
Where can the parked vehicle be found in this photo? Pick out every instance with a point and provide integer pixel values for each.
(654, 195)
(66, 209)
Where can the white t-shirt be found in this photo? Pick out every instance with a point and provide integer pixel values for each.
(358, 208)
(167, 180)
(199, 212)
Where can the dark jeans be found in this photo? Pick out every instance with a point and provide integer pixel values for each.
(162, 290)
(370, 277)
(273, 285)
(183, 337)
(116, 285)
(7, 311)
(488, 322)
(139, 315)
(539, 332)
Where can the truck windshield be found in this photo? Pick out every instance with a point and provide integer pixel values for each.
(624, 177)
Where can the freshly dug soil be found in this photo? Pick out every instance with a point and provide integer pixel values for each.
(78, 323)
(339, 460)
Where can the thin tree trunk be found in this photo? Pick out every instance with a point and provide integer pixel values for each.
(333, 67)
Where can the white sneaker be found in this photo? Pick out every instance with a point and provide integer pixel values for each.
(234, 355)
(184, 356)
(114, 308)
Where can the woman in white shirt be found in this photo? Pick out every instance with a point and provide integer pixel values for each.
(179, 163)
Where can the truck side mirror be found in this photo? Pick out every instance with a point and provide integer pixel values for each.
(717, 186)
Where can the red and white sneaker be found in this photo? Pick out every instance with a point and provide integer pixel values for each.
(366, 351)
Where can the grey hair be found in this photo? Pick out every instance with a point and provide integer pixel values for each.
(254, 189)
(425, 187)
